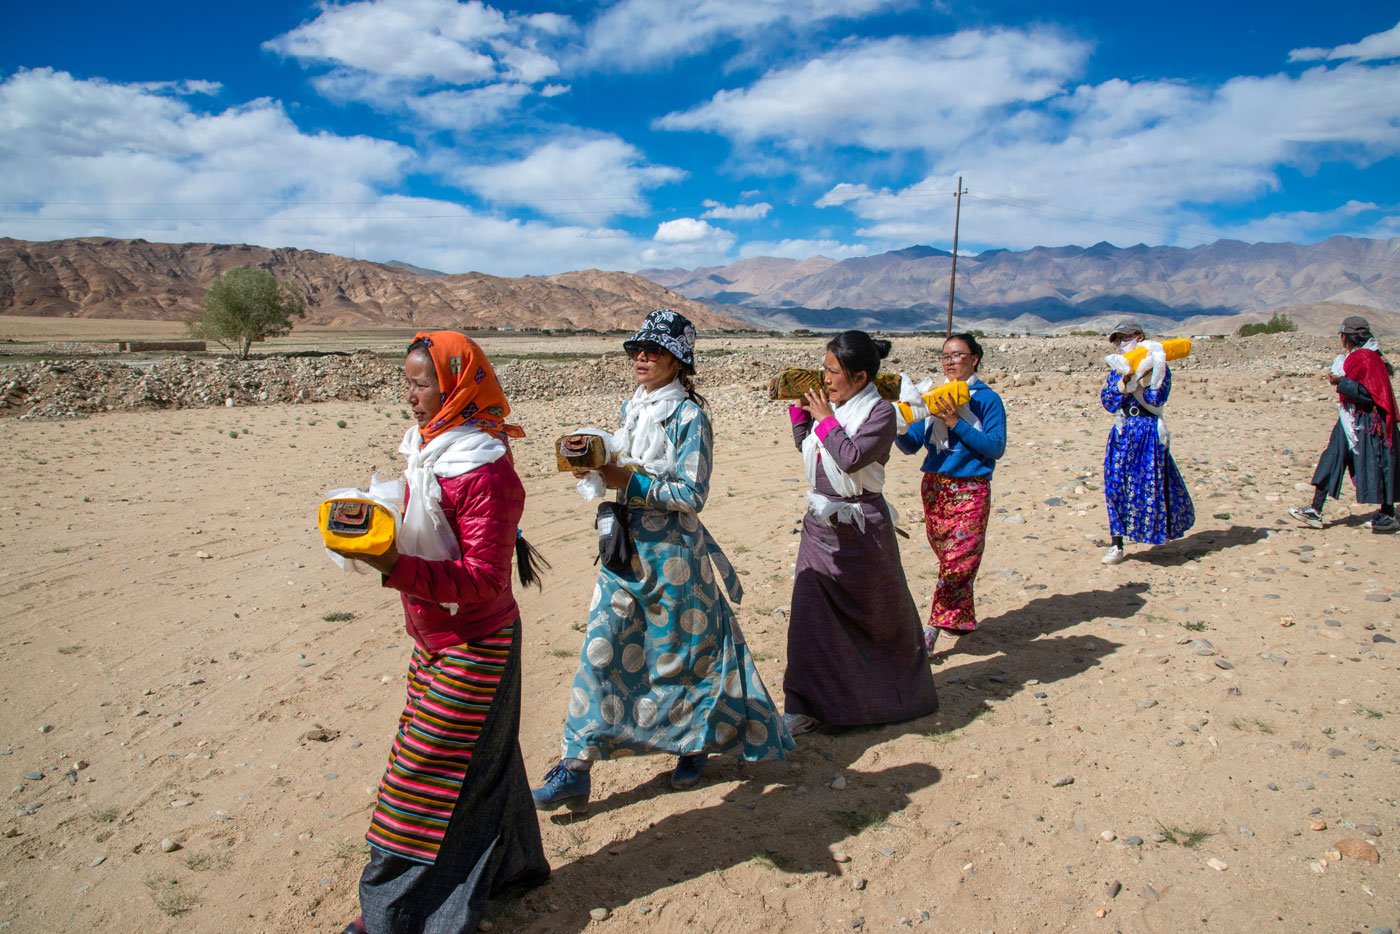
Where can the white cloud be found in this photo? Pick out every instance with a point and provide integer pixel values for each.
(685, 230)
(804, 249)
(687, 241)
(1145, 160)
(738, 212)
(1298, 226)
(894, 94)
(95, 158)
(632, 35)
(588, 179)
(449, 62)
(1377, 47)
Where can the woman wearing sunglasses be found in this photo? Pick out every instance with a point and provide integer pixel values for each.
(963, 445)
(664, 667)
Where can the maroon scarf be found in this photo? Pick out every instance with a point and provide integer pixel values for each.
(1368, 368)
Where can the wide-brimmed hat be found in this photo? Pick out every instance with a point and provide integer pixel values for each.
(1355, 324)
(669, 330)
(1127, 326)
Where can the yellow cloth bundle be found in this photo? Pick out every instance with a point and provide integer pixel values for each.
(356, 526)
(1148, 360)
(955, 391)
(1175, 349)
(794, 383)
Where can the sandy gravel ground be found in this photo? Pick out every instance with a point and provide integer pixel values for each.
(171, 632)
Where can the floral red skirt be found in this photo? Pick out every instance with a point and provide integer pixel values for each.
(955, 517)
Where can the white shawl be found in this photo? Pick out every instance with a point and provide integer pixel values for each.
(642, 440)
(425, 531)
(850, 415)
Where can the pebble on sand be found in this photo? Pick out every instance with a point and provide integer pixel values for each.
(1352, 848)
(599, 914)
(1218, 865)
(168, 845)
(1062, 781)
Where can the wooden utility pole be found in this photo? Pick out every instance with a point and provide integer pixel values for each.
(953, 276)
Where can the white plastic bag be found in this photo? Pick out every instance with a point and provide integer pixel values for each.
(592, 486)
(385, 493)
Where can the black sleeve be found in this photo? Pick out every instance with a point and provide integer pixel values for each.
(1356, 393)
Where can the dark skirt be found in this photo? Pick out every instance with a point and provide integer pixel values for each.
(1374, 465)
(431, 869)
(855, 651)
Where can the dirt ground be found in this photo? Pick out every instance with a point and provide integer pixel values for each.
(171, 631)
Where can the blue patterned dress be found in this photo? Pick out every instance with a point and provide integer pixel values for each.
(1147, 499)
(664, 667)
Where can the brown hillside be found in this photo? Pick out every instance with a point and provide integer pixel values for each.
(95, 277)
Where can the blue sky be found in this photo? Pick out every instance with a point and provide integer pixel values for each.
(535, 138)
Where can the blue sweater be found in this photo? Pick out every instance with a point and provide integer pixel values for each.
(971, 453)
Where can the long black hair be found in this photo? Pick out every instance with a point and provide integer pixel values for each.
(858, 352)
(973, 347)
(688, 383)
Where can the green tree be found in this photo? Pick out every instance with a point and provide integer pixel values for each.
(1278, 324)
(245, 305)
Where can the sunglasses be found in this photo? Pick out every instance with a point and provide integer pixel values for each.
(650, 351)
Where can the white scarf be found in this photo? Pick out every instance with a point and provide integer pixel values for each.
(938, 431)
(1154, 368)
(425, 531)
(850, 415)
(1346, 411)
(642, 441)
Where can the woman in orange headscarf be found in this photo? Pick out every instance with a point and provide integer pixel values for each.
(454, 822)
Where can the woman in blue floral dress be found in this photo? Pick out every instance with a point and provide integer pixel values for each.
(1147, 499)
(664, 667)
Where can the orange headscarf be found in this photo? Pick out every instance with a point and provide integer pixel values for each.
(471, 394)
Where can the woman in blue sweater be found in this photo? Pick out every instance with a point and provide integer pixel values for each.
(963, 445)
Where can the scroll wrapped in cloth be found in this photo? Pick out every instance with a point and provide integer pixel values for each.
(794, 384)
(581, 451)
(1148, 357)
(917, 401)
(356, 526)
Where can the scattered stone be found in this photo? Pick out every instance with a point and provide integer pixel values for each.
(1382, 640)
(1370, 830)
(98, 861)
(1062, 781)
(858, 883)
(1132, 841)
(1223, 665)
(1108, 836)
(1352, 848)
(1147, 704)
(1201, 646)
(1113, 888)
(1217, 864)
(1150, 893)
(599, 914)
(840, 857)
(838, 782)
(1158, 837)
(168, 845)
(1319, 825)
(1246, 832)
(1378, 597)
(884, 851)
(46, 728)
(34, 776)
(1334, 623)
(485, 925)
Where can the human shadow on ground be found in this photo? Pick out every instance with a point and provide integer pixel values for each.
(784, 815)
(1197, 545)
(1013, 630)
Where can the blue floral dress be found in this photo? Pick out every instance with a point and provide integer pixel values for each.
(664, 667)
(1147, 499)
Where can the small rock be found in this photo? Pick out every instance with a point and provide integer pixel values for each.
(858, 883)
(1114, 888)
(34, 776)
(1352, 848)
(838, 782)
(1201, 646)
(1147, 704)
(1158, 838)
(1062, 781)
(884, 851)
(1382, 640)
(599, 914)
(1223, 665)
(168, 845)
(46, 728)
(1108, 836)
(98, 861)
(1175, 742)
(1378, 597)
(1217, 864)
(1370, 830)
(1319, 825)
(1246, 832)
(485, 925)
(203, 555)
(1132, 841)
(1100, 912)
(840, 857)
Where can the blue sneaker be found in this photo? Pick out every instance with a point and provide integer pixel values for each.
(688, 771)
(563, 786)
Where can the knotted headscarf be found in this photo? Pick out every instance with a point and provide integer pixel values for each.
(471, 394)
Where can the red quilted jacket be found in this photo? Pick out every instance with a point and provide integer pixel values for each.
(484, 506)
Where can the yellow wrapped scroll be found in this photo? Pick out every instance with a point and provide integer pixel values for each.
(1176, 348)
(795, 382)
(356, 526)
(955, 391)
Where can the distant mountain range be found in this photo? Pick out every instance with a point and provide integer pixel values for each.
(1050, 288)
(95, 277)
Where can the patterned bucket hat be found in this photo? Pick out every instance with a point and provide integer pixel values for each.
(670, 330)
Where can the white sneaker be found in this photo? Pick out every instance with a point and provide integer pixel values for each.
(1115, 555)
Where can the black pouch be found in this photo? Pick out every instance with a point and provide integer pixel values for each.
(615, 547)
